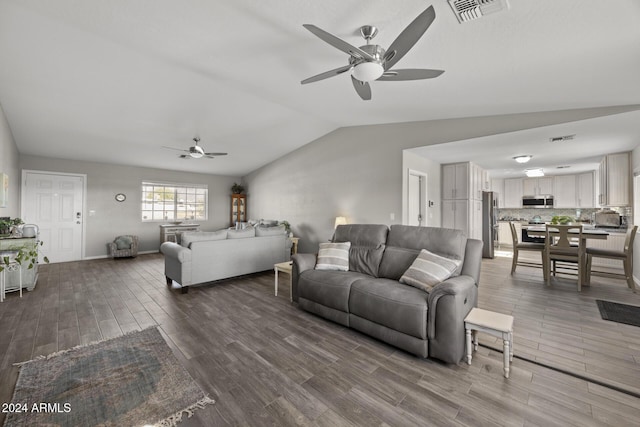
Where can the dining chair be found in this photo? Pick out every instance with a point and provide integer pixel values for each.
(626, 256)
(525, 246)
(560, 247)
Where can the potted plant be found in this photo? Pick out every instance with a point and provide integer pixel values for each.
(7, 225)
(23, 254)
(287, 228)
(237, 188)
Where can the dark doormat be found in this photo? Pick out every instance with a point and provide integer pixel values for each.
(621, 313)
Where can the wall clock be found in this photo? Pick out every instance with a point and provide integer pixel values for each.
(121, 197)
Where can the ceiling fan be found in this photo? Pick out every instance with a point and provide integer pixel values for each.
(196, 151)
(371, 62)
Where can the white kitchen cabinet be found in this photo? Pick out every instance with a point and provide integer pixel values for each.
(455, 214)
(455, 181)
(564, 194)
(614, 179)
(475, 231)
(585, 190)
(497, 186)
(513, 191)
(541, 186)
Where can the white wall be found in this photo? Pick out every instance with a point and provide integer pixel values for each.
(113, 218)
(357, 171)
(9, 166)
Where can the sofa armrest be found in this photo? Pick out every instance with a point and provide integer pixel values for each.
(175, 251)
(449, 303)
(301, 262)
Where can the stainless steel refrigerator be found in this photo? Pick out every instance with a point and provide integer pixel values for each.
(489, 223)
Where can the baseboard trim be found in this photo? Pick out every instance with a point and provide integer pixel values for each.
(87, 258)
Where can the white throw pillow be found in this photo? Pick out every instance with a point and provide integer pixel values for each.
(429, 269)
(333, 256)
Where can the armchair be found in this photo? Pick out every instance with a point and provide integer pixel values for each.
(124, 246)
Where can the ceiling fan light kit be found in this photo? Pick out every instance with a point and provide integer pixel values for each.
(372, 62)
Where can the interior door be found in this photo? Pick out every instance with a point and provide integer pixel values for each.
(54, 202)
(415, 200)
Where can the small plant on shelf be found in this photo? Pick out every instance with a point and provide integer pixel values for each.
(7, 225)
(237, 188)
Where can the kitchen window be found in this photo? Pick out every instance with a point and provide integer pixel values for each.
(174, 202)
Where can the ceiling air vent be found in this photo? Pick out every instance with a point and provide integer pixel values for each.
(562, 138)
(468, 10)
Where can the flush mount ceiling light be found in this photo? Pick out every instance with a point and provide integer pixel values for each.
(524, 158)
(532, 173)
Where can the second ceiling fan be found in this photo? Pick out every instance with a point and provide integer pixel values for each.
(371, 62)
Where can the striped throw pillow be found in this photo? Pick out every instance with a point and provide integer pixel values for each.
(333, 256)
(428, 270)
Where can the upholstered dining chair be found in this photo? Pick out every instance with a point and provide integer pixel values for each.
(626, 256)
(524, 246)
(124, 246)
(560, 247)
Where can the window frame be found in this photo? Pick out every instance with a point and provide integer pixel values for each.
(166, 195)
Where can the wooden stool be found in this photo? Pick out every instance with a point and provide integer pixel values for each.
(496, 324)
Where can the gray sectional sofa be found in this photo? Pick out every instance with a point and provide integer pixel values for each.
(203, 257)
(370, 298)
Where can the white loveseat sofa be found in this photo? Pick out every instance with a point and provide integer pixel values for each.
(203, 257)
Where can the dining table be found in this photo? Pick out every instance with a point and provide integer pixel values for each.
(587, 233)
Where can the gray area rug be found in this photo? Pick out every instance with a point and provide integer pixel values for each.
(621, 313)
(132, 380)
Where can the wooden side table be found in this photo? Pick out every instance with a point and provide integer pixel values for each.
(284, 267)
(294, 245)
(495, 324)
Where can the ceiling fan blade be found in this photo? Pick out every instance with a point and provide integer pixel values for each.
(215, 154)
(327, 74)
(363, 88)
(339, 43)
(408, 37)
(172, 148)
(409, 74)
(185, 156)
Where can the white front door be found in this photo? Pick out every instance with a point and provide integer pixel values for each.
(54, 202)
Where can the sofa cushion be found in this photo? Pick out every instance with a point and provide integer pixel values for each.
(333, 256)
(389, 303)
(429, 269)
(197, 236)
(123, 242)
(405, 242)
(367, 245)
(241, 234)
(329, 288)
(270, 231)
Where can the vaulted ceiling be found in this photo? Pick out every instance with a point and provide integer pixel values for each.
(115, 81)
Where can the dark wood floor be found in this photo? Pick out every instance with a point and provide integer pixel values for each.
(266, 362)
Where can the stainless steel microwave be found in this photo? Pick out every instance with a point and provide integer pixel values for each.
(537, 202)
